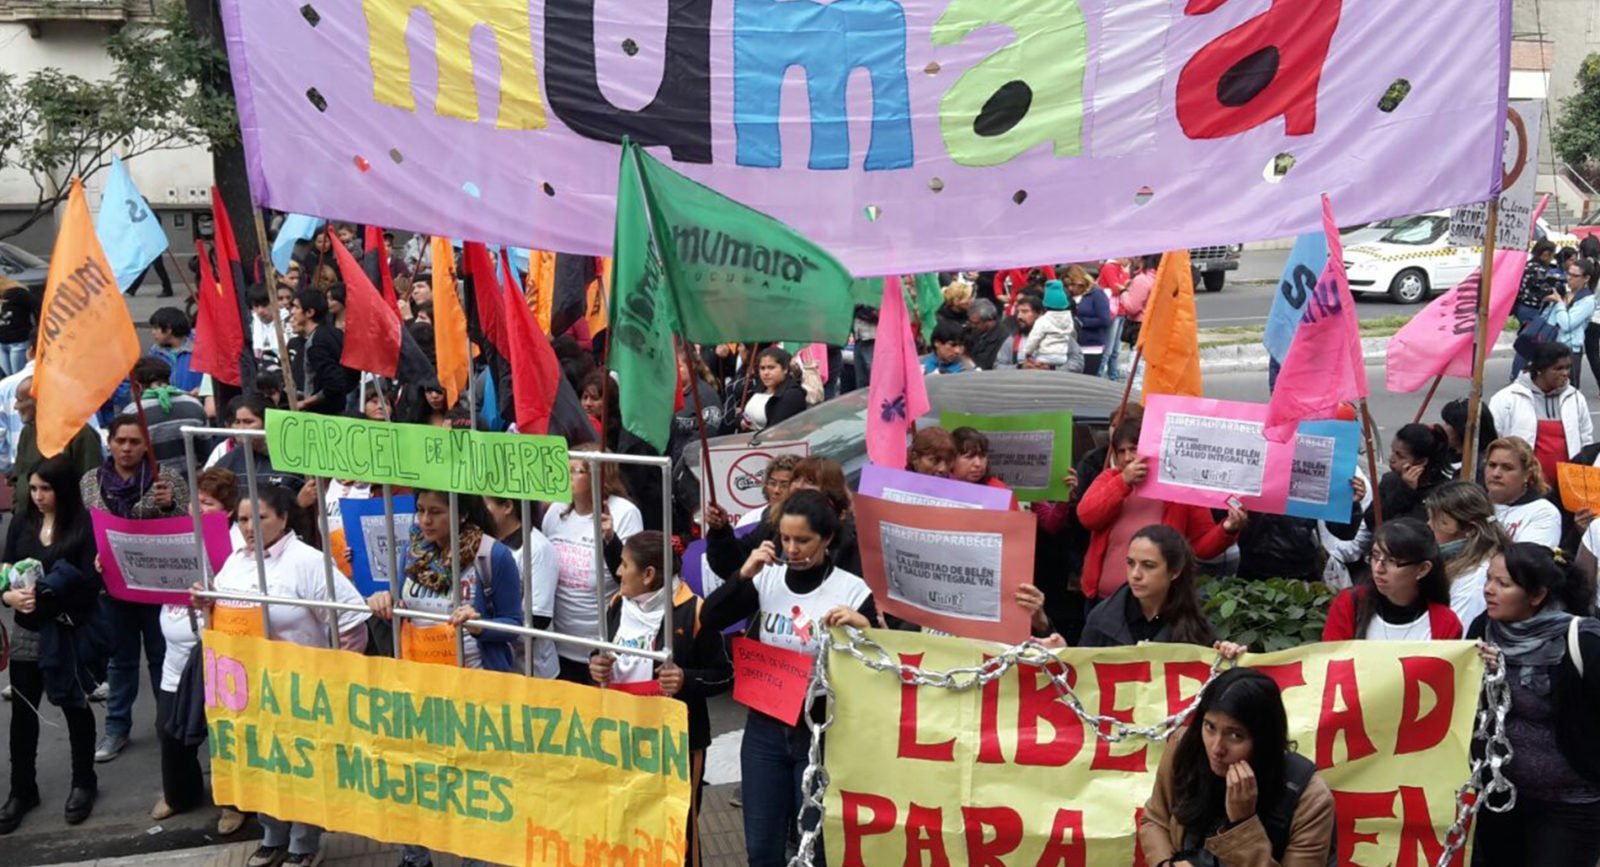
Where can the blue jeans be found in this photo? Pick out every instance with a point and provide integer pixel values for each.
(300, 838)
(132, 623)
(772, 761)
(13, 357)
(863, 362)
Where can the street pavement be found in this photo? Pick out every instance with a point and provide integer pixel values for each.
(1247, 296)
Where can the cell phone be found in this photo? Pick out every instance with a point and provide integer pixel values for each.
(1234, 503)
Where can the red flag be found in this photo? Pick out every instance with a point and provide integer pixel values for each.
(230, 275)
(218, 332)
(535, 372)
(479, 265)
(372, 240)
(371, 326)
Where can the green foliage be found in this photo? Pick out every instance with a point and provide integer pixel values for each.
(1267, 615)
(167, 89)
(1577, 134)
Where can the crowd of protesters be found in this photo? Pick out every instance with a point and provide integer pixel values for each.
(1502, 562)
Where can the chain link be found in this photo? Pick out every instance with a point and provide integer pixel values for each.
(1490, 725)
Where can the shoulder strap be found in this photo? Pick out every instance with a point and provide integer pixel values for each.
(485, 566)
(1298, 771)
(1573, 650)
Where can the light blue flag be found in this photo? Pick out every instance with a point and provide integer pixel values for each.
(1300, 273)
(295, 228)
(129, 231)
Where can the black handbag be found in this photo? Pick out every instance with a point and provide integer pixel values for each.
(187, 722)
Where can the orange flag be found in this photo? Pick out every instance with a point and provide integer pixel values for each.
(598, 291)
(86, 340)
(1170, 336)
(540, 287)
(449, 323)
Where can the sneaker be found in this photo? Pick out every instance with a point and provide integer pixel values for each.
(309, 859)
(101, 693)
(110, 747)
(267, 856)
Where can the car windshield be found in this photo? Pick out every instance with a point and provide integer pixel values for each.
(22, 257)
(1417, 230)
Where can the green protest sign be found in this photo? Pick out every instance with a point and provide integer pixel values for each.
(513, 466)
(1031, 453)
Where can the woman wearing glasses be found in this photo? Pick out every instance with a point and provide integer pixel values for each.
(1409, 597)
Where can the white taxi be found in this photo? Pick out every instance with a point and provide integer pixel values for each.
(1411, 258)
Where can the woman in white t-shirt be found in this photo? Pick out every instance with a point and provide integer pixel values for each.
(294, 570)
(570, 528)
(1517, 487)
(1463, 523)
(788, 589)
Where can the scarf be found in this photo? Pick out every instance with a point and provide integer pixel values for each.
(639, 625)
(1538, 641)
(120, 494)
(429, 565)
(163, 395)
(1452, 549)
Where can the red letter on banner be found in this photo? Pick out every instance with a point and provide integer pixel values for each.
(1268, 66)
(1036, 700)
(1350, 808)
(1109, 675)
(1425, 733)
(1416, 832)
(1341, 684)
(925, 834)
(910, 747)
(1176, 674)
(882, 822)
(1065, 848)
(989, 752)
(1007, 825)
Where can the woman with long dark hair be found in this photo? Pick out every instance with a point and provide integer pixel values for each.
(1462, 520)
(1230, 790)
(1419, 461)
(1538, 616)
(1159, 602)
(781, 397)
(52, 528)
(1409, 597)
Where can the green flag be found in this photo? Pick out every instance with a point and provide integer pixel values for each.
(930, 297)
(693, 262)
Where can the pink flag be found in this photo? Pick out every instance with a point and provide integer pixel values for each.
(1324, 367)
(815, 353)
(1438, 341)
(898, 394)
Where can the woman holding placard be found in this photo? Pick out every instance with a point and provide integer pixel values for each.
(788, 589)
(1409, 597)
(633, 619)
(292, 570)
(1231, 789)
(1462, 520)
(1517, 486)
(570, 528)
(1538, 617)
(51, 528)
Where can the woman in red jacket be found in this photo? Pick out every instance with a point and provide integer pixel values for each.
(1409, 597)
(1112, 511)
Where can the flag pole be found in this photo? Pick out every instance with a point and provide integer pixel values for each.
(183, 273)
(144, 428)
(1127, 392)
(1480, 348)
(277, 317)
(1427, 399)
(1368, 429)
(700, 423)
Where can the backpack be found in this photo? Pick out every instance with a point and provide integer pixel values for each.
(1298, 773)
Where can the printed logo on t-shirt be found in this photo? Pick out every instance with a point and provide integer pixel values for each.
(577, 565)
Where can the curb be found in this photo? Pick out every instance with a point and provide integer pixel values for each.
(1250, 357)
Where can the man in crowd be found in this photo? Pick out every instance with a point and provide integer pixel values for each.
(326, 382)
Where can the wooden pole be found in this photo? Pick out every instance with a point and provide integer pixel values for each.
(700, 423)
(1423, 410)
(1122, 408)
(1480, 345)
(1369, 429)
(277, 318)
(183, 273)
(144, 428)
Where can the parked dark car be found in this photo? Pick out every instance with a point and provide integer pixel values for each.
(24, 267)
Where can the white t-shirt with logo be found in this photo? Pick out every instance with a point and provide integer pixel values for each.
(577, 608)
(416, 597)
(793, 620)
(638, 626)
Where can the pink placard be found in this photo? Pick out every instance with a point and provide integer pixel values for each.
(155, 560)
(1202, 452)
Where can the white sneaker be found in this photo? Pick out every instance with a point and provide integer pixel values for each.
(6, 692)
(110, 747)
(100, 693)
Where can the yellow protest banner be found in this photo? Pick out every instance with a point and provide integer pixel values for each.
(510, 769)
(1009, 774)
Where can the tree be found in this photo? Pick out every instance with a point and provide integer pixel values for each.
(160, 95)
(1577, 133)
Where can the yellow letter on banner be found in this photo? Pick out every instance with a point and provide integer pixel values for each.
(521, 107)
(505, 768)
(1389, 724)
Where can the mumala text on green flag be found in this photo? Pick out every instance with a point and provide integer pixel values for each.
(693, 262)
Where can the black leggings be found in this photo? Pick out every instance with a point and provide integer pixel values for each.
(27, 687)
(182, 783)
(1546, 833)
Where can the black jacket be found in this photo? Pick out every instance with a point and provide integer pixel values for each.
(789, 402)
(701, 654)
(325, 376)
(1576, 703)
(984, 348)
(1280, 546)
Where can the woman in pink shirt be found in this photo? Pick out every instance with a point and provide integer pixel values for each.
(1136, 297)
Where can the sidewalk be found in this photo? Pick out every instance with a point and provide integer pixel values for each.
(721, 845)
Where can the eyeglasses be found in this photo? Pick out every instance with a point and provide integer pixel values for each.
(1377, 560)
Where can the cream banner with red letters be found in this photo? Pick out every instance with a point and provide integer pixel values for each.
(1008, 774)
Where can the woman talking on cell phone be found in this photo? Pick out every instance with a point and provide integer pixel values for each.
(1231, 791)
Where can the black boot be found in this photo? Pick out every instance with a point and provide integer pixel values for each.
(80, 803)
(14, 809)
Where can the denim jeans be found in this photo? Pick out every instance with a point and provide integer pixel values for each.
(132, 624)
(302, 839)
(771, 761)
(863, 362)
(13, 357)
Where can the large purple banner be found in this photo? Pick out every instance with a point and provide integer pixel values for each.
(903, 136)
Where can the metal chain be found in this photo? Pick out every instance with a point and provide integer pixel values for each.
(1490, 725)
